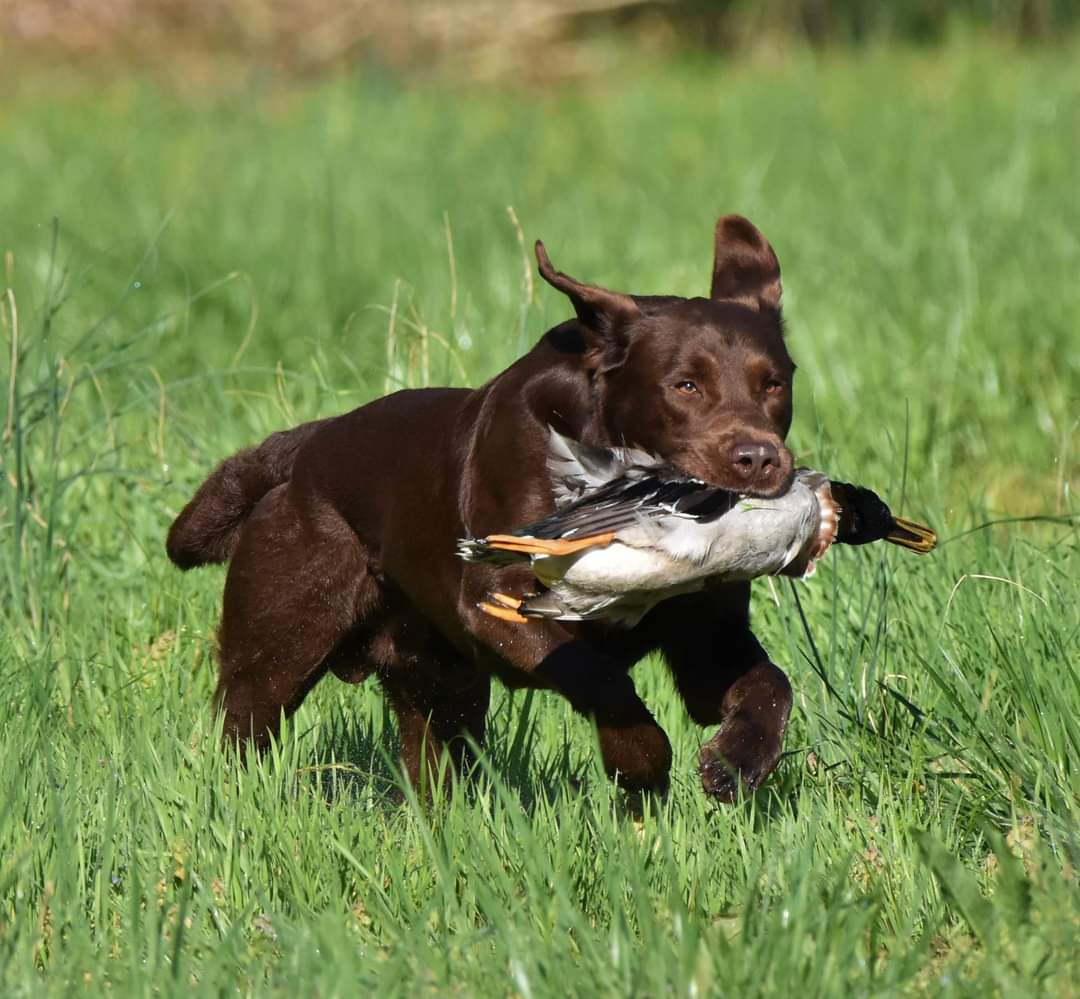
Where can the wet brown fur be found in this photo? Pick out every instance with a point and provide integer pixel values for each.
(340, 534)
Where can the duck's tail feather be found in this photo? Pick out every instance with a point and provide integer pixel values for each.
(914, 537)
(478, 550)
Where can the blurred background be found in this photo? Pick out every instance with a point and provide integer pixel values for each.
(489, 37)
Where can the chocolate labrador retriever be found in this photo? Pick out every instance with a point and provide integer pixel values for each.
(340, 534)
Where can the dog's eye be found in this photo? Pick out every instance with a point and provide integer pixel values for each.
(686, 387)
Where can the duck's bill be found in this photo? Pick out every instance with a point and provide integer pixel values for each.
(914, 537)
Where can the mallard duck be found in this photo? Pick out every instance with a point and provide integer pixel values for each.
(630, 530)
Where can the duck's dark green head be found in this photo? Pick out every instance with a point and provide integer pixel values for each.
(865, 517)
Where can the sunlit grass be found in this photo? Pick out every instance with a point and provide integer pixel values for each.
(223, 269)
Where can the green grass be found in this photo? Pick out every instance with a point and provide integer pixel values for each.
(228, 263)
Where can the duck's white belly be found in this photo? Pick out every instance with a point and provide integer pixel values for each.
(615, 569)
(762, 538)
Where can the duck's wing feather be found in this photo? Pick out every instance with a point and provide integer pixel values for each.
(599, 492)
(640, 494)
(577, 468)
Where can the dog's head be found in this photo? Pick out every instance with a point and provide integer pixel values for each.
(703, 382)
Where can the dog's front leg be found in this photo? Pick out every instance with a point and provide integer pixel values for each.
(725, 678)
(747, 747)
(751, 701)
(549, 655)
(636, 751)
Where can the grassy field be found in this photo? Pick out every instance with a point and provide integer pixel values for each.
(189, 270)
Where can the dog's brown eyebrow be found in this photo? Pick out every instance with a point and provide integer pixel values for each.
(760, 366)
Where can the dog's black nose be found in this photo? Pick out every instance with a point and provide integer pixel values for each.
(755, 461)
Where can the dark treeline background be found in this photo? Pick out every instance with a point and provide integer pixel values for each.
(489, 37)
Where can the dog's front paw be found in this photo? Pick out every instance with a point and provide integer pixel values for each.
(737, 754)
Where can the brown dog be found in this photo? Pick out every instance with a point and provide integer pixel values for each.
(340, 534)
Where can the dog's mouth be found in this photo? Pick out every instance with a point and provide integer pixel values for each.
(782, 485)
(767, 483)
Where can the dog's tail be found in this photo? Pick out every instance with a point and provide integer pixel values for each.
(208, 528)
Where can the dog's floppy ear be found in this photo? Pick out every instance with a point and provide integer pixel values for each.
(603, 313)
(745, 268)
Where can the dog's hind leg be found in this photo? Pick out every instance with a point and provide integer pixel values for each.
(440, 699)
(296, 585)
(431, 719)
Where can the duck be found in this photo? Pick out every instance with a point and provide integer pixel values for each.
(630, 530)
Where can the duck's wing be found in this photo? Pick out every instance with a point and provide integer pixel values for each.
(607, 488)
(639, 495)
(577, 468)
(600, 492)
(639, 498)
